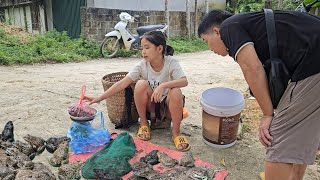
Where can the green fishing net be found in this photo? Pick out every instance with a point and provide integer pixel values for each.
(113, 158)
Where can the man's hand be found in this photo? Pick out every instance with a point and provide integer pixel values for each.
(264, 135)
(157, 94)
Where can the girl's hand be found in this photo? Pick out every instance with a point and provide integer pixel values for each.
(264, 135)
(157, 94)
(92, 100)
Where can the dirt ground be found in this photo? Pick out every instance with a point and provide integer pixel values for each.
(36, 97)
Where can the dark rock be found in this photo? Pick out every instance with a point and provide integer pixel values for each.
(187, 160)
(7, 133)
(104, 175)
(151, 158)
(53, 143)
(37, 143)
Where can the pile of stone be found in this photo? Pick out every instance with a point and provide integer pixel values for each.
(16, 157)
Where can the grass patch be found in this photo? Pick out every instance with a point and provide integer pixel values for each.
(20, 47)
(52, 46)
(126, 53)
(186, 45)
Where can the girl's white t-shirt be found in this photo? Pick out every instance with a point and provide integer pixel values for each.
(170, 71)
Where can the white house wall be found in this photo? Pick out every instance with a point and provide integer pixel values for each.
(131, 4)
(151, 5)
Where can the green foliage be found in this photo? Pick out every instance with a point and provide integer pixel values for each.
(57, 47)
(126, 53)
(2, 33)
(52, 46)
(185, 45)
(288, 4)
(249, 6)
(238, 6)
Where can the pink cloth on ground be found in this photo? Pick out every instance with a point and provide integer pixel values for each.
(145, 147)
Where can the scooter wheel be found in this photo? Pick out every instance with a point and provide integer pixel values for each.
(110, 46)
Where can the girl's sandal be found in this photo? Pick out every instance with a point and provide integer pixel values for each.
(143, 130)
(179, 140)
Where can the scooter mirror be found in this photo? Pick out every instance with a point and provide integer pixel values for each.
(132, 19)
(126, 16)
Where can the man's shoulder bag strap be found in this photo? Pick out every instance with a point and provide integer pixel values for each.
(271, 33)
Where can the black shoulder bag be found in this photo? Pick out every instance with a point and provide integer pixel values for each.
(276, 71)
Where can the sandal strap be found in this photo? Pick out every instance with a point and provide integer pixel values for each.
(181, 140)
(143, 130)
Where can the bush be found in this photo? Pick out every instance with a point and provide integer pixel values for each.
(185, 45)
(57, 47)
(52, 46)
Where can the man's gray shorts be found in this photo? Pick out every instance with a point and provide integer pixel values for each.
(295, 127)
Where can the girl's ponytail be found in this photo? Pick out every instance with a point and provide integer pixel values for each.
(159, 38)
(169, 50)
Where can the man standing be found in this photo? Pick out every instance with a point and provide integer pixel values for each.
(291, 133)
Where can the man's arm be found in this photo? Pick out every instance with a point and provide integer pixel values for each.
(255, 76)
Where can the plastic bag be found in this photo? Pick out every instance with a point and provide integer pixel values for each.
(80, 108)
(87, 138)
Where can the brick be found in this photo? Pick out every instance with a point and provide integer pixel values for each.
(94, 24)
(107, 24)
(92, 30)
(140, 24)
(87, 24)
(108, 17)
(102, 11)
(99, 17)
(143, 19)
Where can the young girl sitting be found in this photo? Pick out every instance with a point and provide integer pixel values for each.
(159, 79)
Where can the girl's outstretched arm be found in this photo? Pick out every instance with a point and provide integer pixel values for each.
(114, 89)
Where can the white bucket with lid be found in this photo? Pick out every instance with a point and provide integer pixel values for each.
(221, 110)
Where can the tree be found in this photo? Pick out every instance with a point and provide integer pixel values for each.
(268, 4)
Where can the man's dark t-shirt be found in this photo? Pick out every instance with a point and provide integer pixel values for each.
(298, 36)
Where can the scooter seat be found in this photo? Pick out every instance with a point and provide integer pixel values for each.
(143, 29)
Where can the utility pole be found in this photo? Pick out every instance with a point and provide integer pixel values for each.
(195, 17)
(188, 19)
(268, 4)
(206, 5)
(280, 2)
(167, 17)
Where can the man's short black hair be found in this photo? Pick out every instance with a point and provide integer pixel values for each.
(214, 17)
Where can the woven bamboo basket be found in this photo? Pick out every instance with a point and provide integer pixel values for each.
(116, 103)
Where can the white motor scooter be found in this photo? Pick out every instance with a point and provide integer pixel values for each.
(121, 37)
